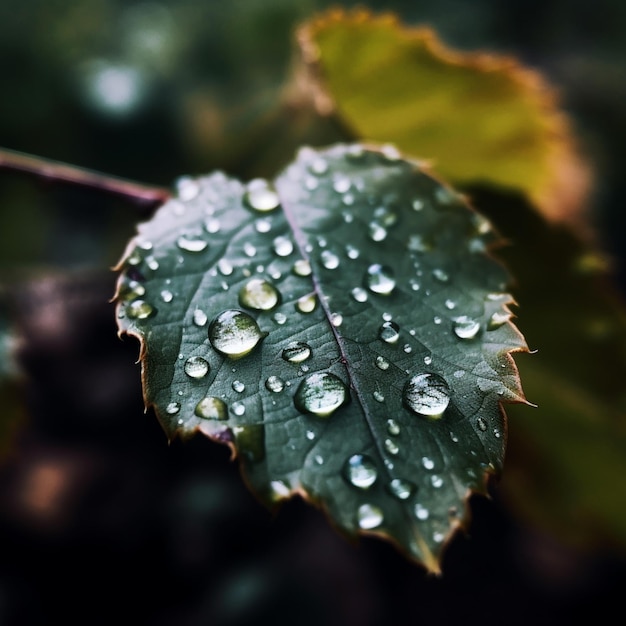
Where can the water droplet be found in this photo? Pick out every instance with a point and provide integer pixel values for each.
(152, 263)
(310, 435)
(307, 303)
(418, 204)
(428, 463)
(321, 394)
(427, 394)
(191, 244)
(341, 184)
(199, 317)
(302, 268)
(319, 166)
(381, 362)
(466, 327)
(134, 258)
(352, 252)
(482, 424)
(450, 304)
(167, 295)
(380, 279)
(196, 367)
(140, 310)
(391, 447)
(392, 427)
(428, 360)
(259, 294)
(238, 386)
(234, 333)
(390, 152)
(407, 348)
(329, 260)
(369, 516)
(212, 225)
(280, 489)
(401, 489)
(249, 249)
(263, 225)
(389, 332)
(437, 320)
(131, 290)
(421, 512)
(319, 459)
(225, 268)
(417, 243)
(441, 275)
(498, 319)
(280, 318)
(359, 294)
(211, 408)
(172, 408)
(260, 195)
(360, 470)
(238, 408)
(377, 232)
(336, 319)
(275, 384)
(296, 352)
(436, 481)
(378, 396)
(187, 188)
(438, 537)
(283, 246)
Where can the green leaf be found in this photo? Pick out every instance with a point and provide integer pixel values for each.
(345, 330)
(477, 117)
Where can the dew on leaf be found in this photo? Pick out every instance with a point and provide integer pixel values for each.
(401, 489)
(249, 249)
(191, 244)
(376, 231)
(392, 427)
(436, 481)
(466, 327)
(275, 384)
(279, 489)
(336, 319)
(421, 512)
(262, 225)
(167, 295)
(200, 317)
(380, 279)
(211, 408)
(259, 294)
(360, 471)
(352, 252)
(319, 166)
(187, 188)
(302, 268)
(428, 463)
(260, 195)
(391, 446)
(381, 362)
(296, 352)
(359, 294)
(426, 394)
(378, 396)
(369, 516)
(172, 408)
(225, 267)
(280, 318)
(497, 319)
(283, 246)
(341, 184)
(131, 290)
(212, 225)
(140, 310)
(389, 332)
(238, 386)
(238, 408)
(482, 424)
(234, 333)
(307, 303)
(321, 394)
(196, 367)
(441, 275)
(329, 260)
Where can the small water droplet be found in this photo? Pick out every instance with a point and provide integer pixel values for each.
(417, 243)
(378, 396)
(191, 244)
(428, 463)
(172, 408)
(341, 184)
(319, 459)
(234, 333)
(212, 225)
(321, 394)
(196, 367)
(377, 232)
(436, 481)
(369, 516)
(200, 318)
(497, 319)
(421, 512)
(310, 435)
(140, 310)
(391, 447)
(428, 360)
(280, 489)
(134, 258)
(401, 489)
(302, 268)
(329, 260)
(152, 263)
(360, 470)
(427, 394)
(187, 188)
(275, 384)
(283, 246)
(359, 294)
(259, 294)
(437, 320)
(319, 166)
(167, 295)
(131, 290)
(392, 427)
(296, 352)
(418, 204)
(438, 537)
(280, 318)
(238, 386)
(352, 252)
(238, 408)
(482, 424)
(225, 268)
(441, 275)
(466, 327)
(407, 348)
(249, 249)
(307, 303)
(450, 304)
(381, 362)
(263, 225)
(380, 279)
(336, 319)
(211, 408)
(389, 332)
(260, 195)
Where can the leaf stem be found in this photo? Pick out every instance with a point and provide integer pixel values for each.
(144, 195)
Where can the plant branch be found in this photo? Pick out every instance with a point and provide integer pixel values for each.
(55, 171)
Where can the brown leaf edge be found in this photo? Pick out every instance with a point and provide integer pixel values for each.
(569, 179)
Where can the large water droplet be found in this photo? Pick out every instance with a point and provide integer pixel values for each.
(466, 327)
(380, 279)
(259, 294)
(260, 195)
(191, 244)
(296, 352)
(321, 394)
(196, 367)
(389, 332)
(211, 408)
(401, 489)
(275, 384)
(369, 516)
(427, 394)
(234, 333)
(360, 470)
(140, 310)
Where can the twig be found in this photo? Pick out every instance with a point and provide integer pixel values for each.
(55, 171)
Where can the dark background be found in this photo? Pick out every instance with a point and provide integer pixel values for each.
(101, 519)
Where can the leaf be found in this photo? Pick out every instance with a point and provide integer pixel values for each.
(477, 117)
(344, 331)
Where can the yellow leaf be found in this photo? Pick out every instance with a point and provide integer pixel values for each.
(476, 117)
